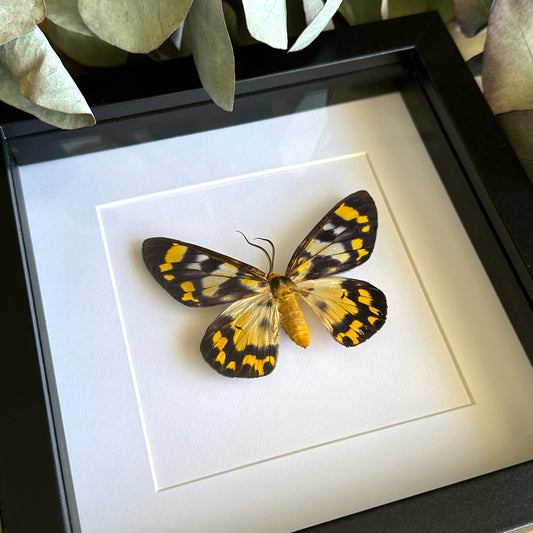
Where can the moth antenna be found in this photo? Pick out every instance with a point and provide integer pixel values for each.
(270, 258)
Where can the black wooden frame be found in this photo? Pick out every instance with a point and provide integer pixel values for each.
(489, 189)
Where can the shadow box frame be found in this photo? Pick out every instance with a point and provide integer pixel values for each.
(490, 192)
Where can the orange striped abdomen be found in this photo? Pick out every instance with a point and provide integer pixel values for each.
(292, 319)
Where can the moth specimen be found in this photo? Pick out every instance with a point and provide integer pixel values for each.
(243, 340)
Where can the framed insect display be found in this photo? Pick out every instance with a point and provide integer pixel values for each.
(400, 260)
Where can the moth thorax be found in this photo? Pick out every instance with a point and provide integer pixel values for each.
(284, 291)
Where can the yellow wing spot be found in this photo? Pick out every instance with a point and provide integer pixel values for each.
(346, 212)
(372, 319)
(165, 267)
(249, 360)
(302, 266)
(342, 257)
(356, 324)
(350, 334)
(249, 282)
(220, 343)
(374, 310)
(231, 365)
(221, 358)
(187, 286)
(356, 245)
(217, 336)
(365, 229)
(176, 253)
(365, 300)
(362, 219)
(257, 364)
(361, 253)
(168, 277)
(364, 292)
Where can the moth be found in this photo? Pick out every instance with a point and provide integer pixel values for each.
(243, 340)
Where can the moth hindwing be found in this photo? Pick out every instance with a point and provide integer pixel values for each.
(243, 340)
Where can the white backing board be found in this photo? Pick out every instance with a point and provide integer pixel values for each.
(318, 396)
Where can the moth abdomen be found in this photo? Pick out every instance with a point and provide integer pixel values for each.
(284, 291)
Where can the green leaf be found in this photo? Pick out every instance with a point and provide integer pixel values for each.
(236, 23)
(232, 22)
(317, 25)
(177, 37)
(267, 21)
(32, 78)
(508, 57)
(400, 8)
(169, 49)
(360, 11)
(472, 15)
(518, 126)
(508, 73)
(65, 13)
(205, 30)
(86, 50)
(138, 26)
(470, 47)
(19, 17)
(66, 29)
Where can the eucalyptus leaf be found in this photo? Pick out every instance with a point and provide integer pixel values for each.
(65, 13)
(181, 41)
(360, 11)
(18, 17)
(165, 52)
(311, 10)
(471, 48)
(236, 22)
(232, 22)
(32, 78)
(205, 29)
(508, 57)
(267, 21)
(317, 25)
(472, 15)
(137, 26)
(400, 8)
(518, 126)
(176, 37)
(87, 50)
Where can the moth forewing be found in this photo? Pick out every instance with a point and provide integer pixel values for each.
(343, 239)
